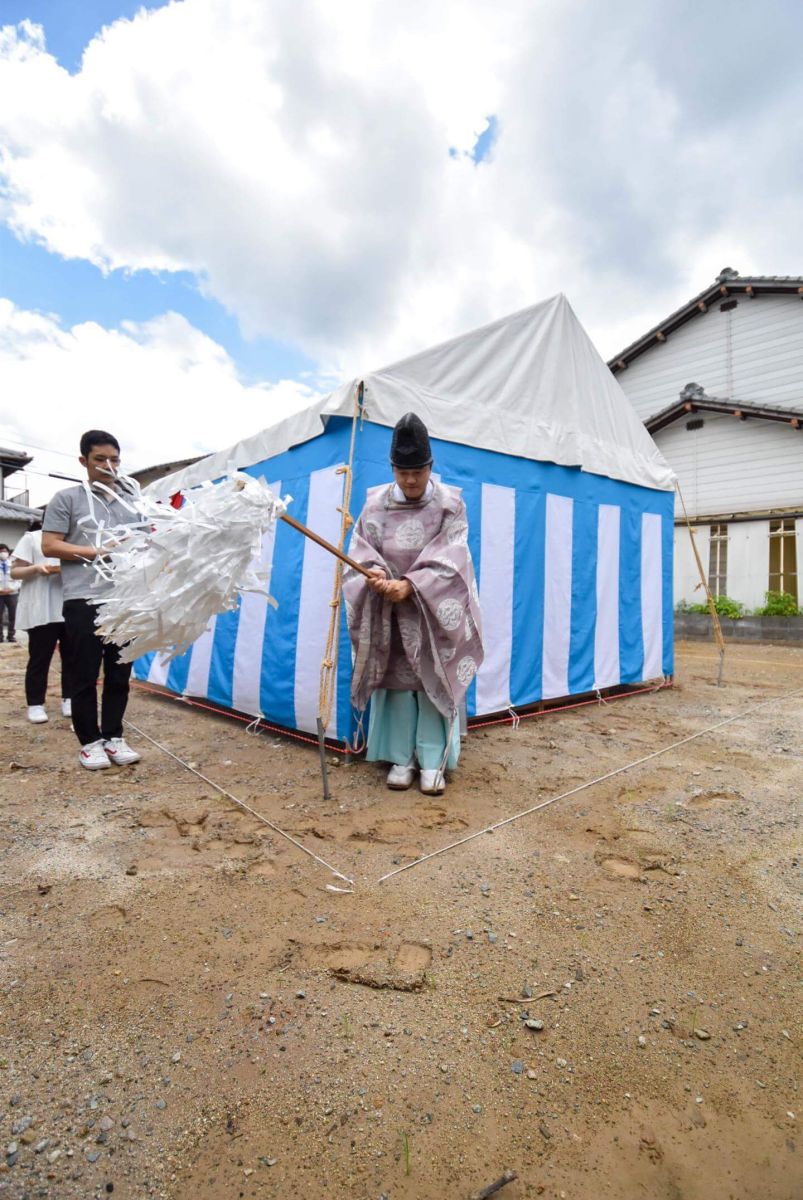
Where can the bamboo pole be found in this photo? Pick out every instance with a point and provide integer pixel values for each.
(718, 637)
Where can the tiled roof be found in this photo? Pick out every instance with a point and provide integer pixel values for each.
(16, 459)
(9, 511)
(727, 283)
(693, 399)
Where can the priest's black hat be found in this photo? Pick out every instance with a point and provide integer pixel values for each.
(410, 448)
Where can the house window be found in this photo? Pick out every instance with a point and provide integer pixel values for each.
(783, 557)
(718, 560)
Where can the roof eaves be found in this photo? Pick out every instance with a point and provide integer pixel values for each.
(14, 459)
(750, 285)
(742, 410)
(9, 511)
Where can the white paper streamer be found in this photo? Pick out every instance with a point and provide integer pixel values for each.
(176, 568)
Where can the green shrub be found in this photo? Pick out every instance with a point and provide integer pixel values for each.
(779, 604)
(723, 604)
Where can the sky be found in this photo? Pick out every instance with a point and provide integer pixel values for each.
(212, 211)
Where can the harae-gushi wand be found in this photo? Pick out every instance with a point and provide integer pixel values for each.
(316, 537)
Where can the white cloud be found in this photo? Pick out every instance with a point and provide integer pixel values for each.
(294, 156)
(166, 390)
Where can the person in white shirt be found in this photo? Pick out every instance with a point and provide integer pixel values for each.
(8, 594)
(39, 613)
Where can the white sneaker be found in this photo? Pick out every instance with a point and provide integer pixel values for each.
(66, 708)
(400, 778)
(93, 756)
(37, 714)
(119, 752)
(432, 783)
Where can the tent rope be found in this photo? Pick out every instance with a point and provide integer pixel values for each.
(328, 676)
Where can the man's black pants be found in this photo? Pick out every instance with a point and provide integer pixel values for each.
(8, 604)
(42, 642)
(85, 654)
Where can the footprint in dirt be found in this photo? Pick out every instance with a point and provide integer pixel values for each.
(620, 868)
(375, 965)
(714, 799)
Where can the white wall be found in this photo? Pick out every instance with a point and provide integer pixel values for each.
(735, 466)
(687, 576)
(753, 353)
(748, 562)
(12, 531)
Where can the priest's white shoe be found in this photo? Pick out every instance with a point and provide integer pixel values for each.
(400, 778)
(432, 783)
(37, 714)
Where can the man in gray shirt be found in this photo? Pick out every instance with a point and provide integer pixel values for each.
(69, 532)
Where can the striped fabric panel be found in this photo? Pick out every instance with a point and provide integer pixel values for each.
(606, 632)
(652, 595)
(325, 496)
(200, 660)
(557, 596)
(496, 573)
(254, 613)
(158, 670)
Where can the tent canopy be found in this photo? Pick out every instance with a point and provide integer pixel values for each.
(530, 385)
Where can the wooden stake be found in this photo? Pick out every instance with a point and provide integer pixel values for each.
(324, 766)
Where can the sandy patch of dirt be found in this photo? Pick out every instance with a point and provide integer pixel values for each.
(188, 1012)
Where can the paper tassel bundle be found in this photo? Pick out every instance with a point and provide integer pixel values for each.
(179, 567)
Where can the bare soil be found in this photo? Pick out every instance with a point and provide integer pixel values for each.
(188, 1011)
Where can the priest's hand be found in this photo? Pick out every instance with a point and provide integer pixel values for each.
(397, 590)
(377, 579)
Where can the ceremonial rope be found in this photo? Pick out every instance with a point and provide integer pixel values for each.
(591, 783)
(328, 678)
(241, 803)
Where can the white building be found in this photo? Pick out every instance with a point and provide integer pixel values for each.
(719, 385)
(15, 512)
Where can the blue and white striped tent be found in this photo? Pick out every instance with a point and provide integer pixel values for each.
(570, 509)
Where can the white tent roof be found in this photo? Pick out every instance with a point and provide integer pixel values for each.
(531, 385)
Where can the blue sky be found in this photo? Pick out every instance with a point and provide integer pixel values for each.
(76, 290)
(69, 24)
(338, 186)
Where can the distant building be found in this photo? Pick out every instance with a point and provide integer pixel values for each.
(15, 520)
(12, 461)
(15, 512)
(719, 385)
(147, 475)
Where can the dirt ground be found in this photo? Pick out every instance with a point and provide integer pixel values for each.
(189, 1012)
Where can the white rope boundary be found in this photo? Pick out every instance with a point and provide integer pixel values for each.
(591, 783)
(246, 807)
